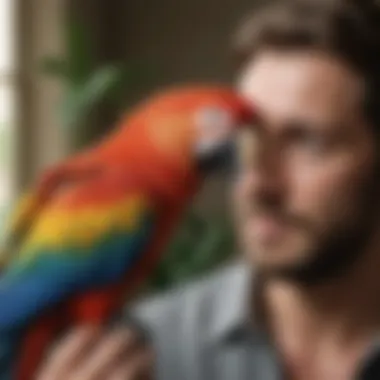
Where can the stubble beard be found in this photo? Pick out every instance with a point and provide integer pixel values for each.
(339, 249)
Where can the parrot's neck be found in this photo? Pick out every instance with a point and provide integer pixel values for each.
(172, 174)
(174, 183)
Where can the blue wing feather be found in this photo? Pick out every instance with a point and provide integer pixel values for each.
(53, 277)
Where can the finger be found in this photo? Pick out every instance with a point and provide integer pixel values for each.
(69, 352)
(138, 367)
(113, 348)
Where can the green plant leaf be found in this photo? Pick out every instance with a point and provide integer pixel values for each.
(198, 246)
(86, 86)
(72, 113)
(102, 82)
(79, 101)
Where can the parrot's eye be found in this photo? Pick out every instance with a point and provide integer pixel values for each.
(215, 127)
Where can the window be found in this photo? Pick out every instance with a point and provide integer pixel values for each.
(7, 102)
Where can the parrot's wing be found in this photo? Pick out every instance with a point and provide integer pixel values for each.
(85, 238)
(23, 215)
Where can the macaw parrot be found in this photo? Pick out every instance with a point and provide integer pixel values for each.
(95, 225)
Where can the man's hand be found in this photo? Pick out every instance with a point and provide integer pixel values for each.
(89, 354)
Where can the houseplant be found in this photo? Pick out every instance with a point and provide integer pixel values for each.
(85, 85)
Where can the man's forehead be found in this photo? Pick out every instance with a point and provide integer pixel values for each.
(300, 84)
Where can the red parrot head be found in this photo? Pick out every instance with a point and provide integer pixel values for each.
(190, 126)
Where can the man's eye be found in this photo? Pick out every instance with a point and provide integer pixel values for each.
(312, 141)
(307, 140)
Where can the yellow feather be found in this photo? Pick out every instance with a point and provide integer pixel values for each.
(60, 228)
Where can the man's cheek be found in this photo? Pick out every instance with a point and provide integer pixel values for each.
(328, 203)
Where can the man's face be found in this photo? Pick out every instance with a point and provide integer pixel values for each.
(304, 194)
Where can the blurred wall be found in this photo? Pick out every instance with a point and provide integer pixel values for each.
(181, 40)
(39, 32)
(177, 41)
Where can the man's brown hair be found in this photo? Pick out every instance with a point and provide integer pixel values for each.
(347, 29)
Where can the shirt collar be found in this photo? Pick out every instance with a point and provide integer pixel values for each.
(232, 304)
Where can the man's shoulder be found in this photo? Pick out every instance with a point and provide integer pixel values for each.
(195, 302)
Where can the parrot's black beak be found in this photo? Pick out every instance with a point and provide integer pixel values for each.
(221, 159)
